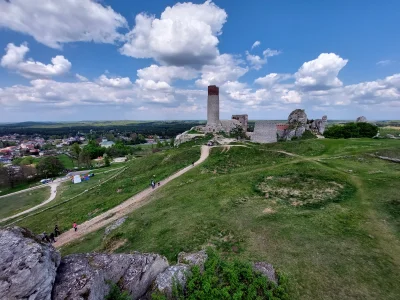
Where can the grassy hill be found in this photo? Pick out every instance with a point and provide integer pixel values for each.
(83, 205)
(324, 212)
(14, 204)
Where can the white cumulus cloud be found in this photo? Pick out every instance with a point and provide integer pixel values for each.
(118, 82)
(271, 79)
(185, 34)
(256, 44)
(321, 73)
(167, 73)
(224, 68)
(80, 77)
(255, 61)
(54, 22)
(14, 60)
(270, 52)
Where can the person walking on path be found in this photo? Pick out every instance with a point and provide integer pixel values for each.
(193, 164)
(45, 238)
(75, 226)
(56, 231)
(52, 240)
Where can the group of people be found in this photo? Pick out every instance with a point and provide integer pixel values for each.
(153, 184)
(51, 237)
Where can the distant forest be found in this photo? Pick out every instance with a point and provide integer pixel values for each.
(164, 129)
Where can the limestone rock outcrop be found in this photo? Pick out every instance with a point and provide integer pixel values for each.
(27, 265)
(267, 270)
(33, 270)
(165, 281)
(186, 137)
(86, 276)
(298, 117)
(297, 121)
(361, 119)
(193, 259)
(318, 125)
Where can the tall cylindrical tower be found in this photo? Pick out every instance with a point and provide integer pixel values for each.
(213, 105)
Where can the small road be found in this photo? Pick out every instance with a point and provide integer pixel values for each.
(53, 192)
(58, 180)
(124, 208)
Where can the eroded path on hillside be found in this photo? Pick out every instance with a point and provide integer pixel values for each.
(124, 208)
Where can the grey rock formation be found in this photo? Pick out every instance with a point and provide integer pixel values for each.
(267, 270)
(27, 265)
(85, 276)
(166, 280)
(298, 117)
(193, 259)
(297, 124)
(361, 119)
(114, 225)
(318, 125)
(177, 274)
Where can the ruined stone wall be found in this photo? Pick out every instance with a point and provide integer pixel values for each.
(264, 132)
(243, 119)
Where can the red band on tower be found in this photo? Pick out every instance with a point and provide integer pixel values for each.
(213, 90)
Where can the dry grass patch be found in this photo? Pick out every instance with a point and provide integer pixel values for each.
(299, 190)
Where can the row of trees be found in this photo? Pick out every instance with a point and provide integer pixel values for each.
(49, 166)
(351, 130)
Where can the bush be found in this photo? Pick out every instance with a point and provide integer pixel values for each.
(229, 280)
(351, 130)
(116, 293)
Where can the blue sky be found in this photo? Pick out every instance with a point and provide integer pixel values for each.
(145, 60)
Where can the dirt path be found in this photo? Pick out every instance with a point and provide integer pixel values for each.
(53, 192)
(124, 208)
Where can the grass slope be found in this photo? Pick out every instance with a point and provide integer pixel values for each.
(328, 216)
(134, 179)
(14, 204)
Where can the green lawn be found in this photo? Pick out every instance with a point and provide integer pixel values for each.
(66, 161)
(328, 218)
(14, 204)
(136, 178)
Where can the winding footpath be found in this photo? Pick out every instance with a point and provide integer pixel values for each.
(124, 208)
(53, 193)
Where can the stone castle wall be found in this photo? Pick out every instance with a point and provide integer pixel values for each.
(264, 132)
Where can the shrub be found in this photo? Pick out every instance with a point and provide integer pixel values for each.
(351, 130)
(116, 293)
(229, 280)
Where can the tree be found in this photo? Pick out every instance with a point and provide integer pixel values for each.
(172, 142)
(94, 149)
(106, 160)
(85, 159)
(50, 166)
(351, 130)
(75, 150)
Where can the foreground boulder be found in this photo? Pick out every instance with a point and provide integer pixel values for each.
(87, 276)
(27, 265)
(193, 259)
(179, 273)
(267, 270)
(166, 280)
